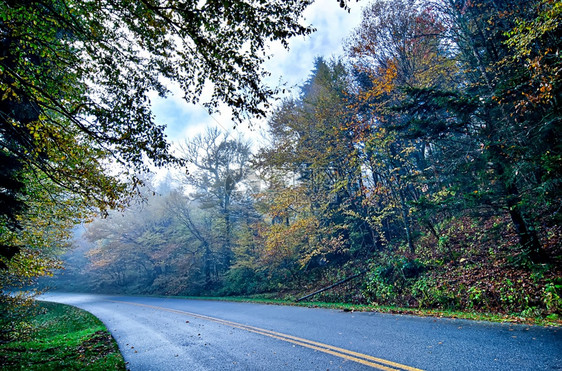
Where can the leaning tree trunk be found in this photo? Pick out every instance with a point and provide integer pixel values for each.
(527, 236)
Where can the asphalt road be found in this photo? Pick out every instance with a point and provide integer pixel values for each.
(177, 334)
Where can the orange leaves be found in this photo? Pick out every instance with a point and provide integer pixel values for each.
(533, 44)
(384, 82)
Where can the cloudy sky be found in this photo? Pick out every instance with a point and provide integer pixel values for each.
(333, 26)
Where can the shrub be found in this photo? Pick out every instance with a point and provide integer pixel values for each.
(390, 283)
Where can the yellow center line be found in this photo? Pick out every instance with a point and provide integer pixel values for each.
(365, 359)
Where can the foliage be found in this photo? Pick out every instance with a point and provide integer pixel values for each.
(75, 77)
(385, 283)
(174, 243)
(220, 179)
(429, 156)
(142, 250)
(511, 143)
(314, 177)
(469, 272)
(534, 44)
(44, 232)
(14, 317)
(76, 126)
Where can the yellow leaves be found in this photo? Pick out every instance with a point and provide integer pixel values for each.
(530, 44)
(384, 82)
(27, 264)
(291, 241)
(9, 93)
(280, 201)
(46, 228)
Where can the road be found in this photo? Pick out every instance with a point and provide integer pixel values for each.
(178, 334)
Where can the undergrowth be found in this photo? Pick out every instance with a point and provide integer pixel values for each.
(473, 269)
(474, 266)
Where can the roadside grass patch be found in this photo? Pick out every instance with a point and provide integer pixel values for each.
(62, 337)
(346, 307)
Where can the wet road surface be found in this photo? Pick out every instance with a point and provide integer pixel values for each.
(181, 334)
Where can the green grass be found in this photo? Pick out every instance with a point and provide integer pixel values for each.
(62, 337)
(476, 316)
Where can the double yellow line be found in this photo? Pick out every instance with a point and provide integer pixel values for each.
(365, 359)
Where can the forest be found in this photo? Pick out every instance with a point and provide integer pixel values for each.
(426, 162)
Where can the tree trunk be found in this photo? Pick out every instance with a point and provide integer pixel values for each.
(527, 236)
(207, 268)
(407, 222)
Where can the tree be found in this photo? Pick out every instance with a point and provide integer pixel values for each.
(206, 242)
(75, 75)
(42, 234)
(126, 246)
(401, 39)
(509, 162)
(74, 83)
(222, 165)
(396, 48)
(159, 245)
(535, 94)
(489, 130)
(314, 177)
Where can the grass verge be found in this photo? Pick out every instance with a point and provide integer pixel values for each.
(442, 313)
(62, 337)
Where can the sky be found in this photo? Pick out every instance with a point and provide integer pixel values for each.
(333, 25)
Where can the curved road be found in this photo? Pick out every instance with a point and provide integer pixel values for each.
(178, 334)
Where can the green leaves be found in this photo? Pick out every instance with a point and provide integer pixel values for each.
(85, 69)
(76, 125)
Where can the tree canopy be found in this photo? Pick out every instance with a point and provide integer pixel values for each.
(425, 163)
(76, 125)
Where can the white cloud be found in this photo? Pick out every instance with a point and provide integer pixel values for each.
(333, 25)
(293, 66)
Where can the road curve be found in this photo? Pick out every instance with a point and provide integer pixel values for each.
(179, 334)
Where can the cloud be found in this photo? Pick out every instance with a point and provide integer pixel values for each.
(333, 25)
(177, 115)
(293, 67)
